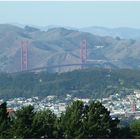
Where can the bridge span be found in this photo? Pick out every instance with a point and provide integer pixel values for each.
(50, 67)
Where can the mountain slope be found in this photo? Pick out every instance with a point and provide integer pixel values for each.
(62, 46)
(122, 32)
(89, 83)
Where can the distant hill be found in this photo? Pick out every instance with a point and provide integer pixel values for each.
(62, 46)
(122, 32)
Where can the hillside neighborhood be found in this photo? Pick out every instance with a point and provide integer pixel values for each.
(118, 105)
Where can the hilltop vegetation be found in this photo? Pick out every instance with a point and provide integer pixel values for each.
(88, 83)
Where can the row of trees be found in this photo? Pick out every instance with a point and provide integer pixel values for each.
(78, 121)
(89, 83)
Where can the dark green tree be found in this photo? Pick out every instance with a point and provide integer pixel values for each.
(88, 121)
(22, 127)
(5, 123)
(44, 124)
(98, 122)
(125, 133)
(72, 120)
(135, 129)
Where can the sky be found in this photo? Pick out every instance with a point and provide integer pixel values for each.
(74, 14)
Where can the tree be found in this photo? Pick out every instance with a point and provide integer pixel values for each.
(124, 133)
(118, 38)
(44, 124)
(5, 123)
(98, 122)
(135, 129)
(22, 127)
(79, 120)
(88, 121)
(72, 119)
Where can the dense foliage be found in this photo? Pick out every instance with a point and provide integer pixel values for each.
(5, 122)
(88, 121)
(78, 121)
(81, 83)
(135, 129)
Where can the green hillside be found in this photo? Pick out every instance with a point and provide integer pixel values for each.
(94, 83)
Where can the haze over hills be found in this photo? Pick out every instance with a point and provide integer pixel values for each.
(42, 28)
(62, 46)
(122, 32)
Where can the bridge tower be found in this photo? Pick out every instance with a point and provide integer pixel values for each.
(83, 52)
(24, 55)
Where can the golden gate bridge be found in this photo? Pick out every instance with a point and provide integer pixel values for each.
(83, 59)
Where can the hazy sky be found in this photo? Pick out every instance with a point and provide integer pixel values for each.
(74, 14)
